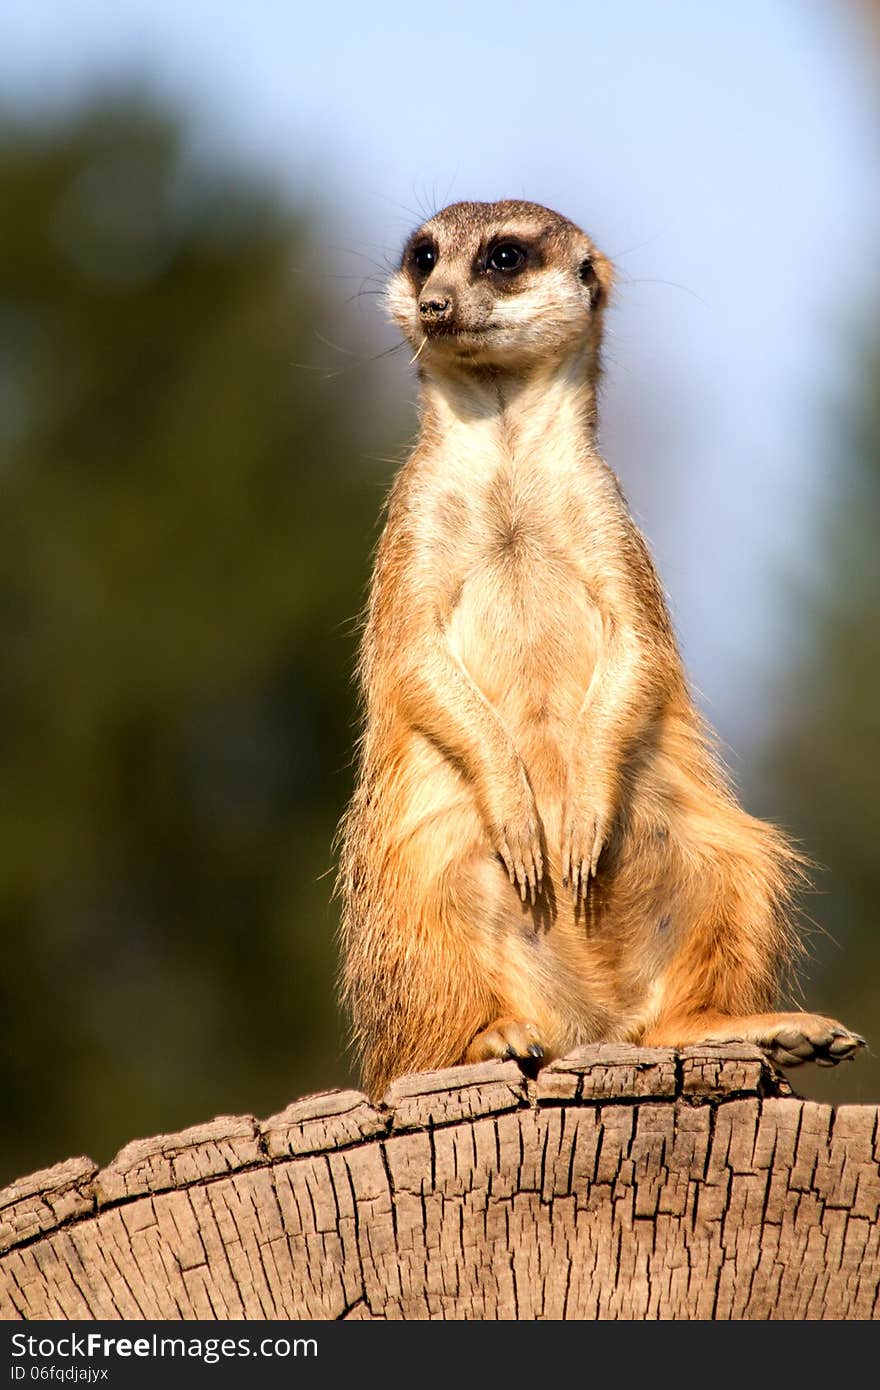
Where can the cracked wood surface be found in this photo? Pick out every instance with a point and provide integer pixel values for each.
(621, 1183)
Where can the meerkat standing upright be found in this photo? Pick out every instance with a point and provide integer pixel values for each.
(542, 849)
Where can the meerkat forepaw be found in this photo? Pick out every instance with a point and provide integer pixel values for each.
(516, 837)
(583, 842)
(522, 858)
(507, 1038)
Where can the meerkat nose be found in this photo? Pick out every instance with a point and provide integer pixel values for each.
(436, 309)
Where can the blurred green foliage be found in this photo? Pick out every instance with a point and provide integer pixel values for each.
(185, 528)
(824, 772)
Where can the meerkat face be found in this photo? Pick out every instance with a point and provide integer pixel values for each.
(498, 285)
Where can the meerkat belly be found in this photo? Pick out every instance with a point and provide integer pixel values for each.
(527, 632)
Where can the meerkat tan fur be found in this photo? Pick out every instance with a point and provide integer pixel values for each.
(542, 849)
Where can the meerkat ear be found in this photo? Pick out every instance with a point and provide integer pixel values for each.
(595, 272)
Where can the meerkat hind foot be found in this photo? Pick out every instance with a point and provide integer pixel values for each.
(789, 1039)
(507, 1038)
(818, 1040)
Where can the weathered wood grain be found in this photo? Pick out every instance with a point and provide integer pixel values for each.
(621, 1183)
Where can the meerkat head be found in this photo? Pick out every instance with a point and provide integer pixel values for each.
(499, 285)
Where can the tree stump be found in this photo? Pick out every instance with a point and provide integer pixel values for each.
(622, 1183)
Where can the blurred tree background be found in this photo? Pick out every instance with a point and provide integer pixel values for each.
(188, 511)
(823, 775)
(186, 522)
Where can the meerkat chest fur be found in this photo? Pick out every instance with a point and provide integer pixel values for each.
(502, 501)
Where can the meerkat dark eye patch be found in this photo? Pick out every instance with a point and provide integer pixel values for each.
(423, 257)
(506, 256)
(587, 276)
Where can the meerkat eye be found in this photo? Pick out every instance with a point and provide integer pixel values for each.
(588, 277)
(424, 258)
(506, 256)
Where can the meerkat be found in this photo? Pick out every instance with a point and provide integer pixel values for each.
(542, 849)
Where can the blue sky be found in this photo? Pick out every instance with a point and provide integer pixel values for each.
(724, 156)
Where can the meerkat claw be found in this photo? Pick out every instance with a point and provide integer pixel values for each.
(507, 1039)
(844, 1046)
(594, 859)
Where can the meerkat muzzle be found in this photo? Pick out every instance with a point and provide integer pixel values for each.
(438, 311)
